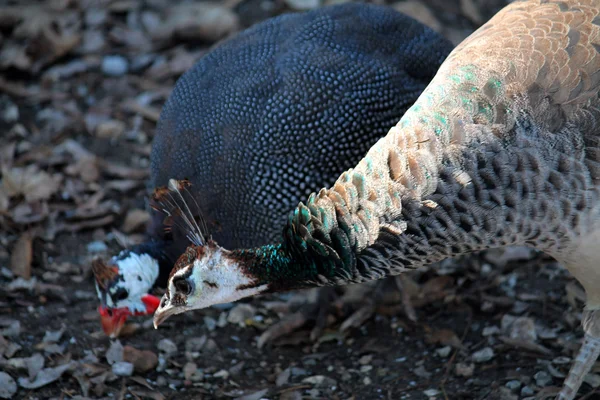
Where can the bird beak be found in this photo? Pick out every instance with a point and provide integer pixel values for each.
(162, 313)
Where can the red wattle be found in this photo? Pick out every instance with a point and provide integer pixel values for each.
(151, 302)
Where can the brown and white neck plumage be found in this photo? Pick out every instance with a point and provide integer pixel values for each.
(502, 148)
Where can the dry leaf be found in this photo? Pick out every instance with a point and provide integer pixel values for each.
(30, 182)
(200, 21)
(135, 219)
(4, 200)
(22, 254)
(420, 12)
(45, 376)
(86, 168)
(445, 337)
(142, 360)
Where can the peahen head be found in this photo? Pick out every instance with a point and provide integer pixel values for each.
(204, 276)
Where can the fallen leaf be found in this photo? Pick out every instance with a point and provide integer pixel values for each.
(135, 219)
(21, 257)
(30, 182)
(86, 168)
(115, 352)
(34, 364)
(8, 386)
(141, 393)
(254, 396)
(4, 200)
(45, 376)
(445, 337)
(200, 21)
(420, 12)
(142, 360)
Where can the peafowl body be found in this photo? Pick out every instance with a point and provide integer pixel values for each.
(502, 148)
(267, 117)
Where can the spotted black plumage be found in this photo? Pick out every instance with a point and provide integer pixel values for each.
(278, 111)
(281, 109)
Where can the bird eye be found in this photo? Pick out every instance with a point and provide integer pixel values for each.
(182, 286)
(120, 295)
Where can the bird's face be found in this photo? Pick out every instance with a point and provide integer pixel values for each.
(123, 287)
(204, 276)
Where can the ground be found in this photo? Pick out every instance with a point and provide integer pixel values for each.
(81, 86)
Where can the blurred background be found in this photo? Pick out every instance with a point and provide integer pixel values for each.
(82, 83)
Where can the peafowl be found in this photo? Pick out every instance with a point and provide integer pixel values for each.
(237, 125)
(502, 148)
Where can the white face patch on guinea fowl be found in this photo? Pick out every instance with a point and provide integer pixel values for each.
(137, 274)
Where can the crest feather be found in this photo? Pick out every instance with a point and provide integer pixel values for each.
(103, 273)
(181, 210)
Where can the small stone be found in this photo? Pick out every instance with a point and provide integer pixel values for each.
(367, 381)
(8, 386)
(490, 330)
(593, 380)
(112, 129)
(122, 368)
(542, 379)
(465, 370)
(97, 246)
(527, 391)
(189, 369)
(224, 374)
(240, 313)
(320, 381)
(431, 392)
(366, 359)
(421, 372)
(161, 381)
(211, 323)
(195, 344)
(562, 360)
(299, 371)
(114, 65)
(366, 368)
(167, 346)
(10, 113)
(523, 328)
(483, 355)
(513, 385)
(444, 351)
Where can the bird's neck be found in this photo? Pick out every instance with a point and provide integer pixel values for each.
(277, 267)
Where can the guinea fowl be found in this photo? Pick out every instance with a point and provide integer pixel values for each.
(502, 148)
(238, 123)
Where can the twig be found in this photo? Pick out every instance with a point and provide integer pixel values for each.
(451, 360)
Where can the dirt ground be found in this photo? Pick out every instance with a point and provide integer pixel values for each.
(81, 87)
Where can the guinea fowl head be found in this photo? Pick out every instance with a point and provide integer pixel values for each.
(205, 274)
(123, 285)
